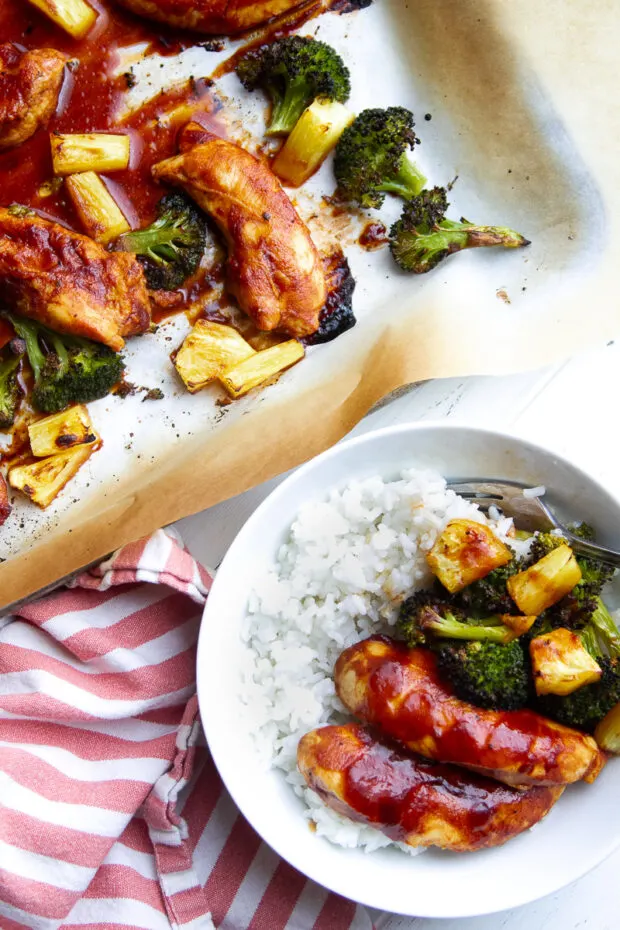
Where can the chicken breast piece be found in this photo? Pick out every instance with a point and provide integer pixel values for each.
(400, 691)
(416, 802)
(217, 17)
(70, 283)
(29, 87)
(274, 269)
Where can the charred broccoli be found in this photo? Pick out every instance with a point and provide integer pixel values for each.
(371, 158)
(488, 674)
(424, 617)
(423, 237)
(586, 706)
(170, 248)
(66, 369)
(489, 594)
(294, 71)
(10, 390)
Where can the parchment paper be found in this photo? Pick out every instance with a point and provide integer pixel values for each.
(524, 106)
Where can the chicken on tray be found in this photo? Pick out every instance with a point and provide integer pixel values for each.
(30, 83)
(274, 269)
(399, 690)
(218, 17)
(416, 802)
(68, 282)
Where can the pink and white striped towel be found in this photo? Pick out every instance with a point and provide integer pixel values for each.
(112, 814)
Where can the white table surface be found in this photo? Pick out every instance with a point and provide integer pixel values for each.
(566, 407)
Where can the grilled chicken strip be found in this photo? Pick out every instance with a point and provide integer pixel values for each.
(217, 17)
(416, 802)
(5, 507)
(274, 269)
(29, 87)
(68, 282)
(399, 690)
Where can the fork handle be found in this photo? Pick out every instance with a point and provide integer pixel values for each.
(591, 550)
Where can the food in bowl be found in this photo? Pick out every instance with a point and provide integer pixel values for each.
(471, 684)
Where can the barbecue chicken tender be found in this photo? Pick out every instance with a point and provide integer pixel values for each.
(217, 17)
(29, 87)
(70, 283)
(400, 691)
(413, 801)
(274, 269)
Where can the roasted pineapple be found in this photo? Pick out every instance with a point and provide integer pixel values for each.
(546, 582)
(315, 134)
(100, 214)
(41, 481)
(74, 16)
(92, 151)
(519, 625)
(465, 552)
(561, 663)
(61, 431)
(261, 367)
(607, 733)
(209, 350)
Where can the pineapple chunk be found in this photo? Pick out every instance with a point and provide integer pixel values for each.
(100, 214)
(61, 431)
(262, 366)
(546, 582)
(607, 733)
(465, 552)
(519, 625)
(92, 151)
(561, 663)
(75, 16)
(314, 136)
(209, 350)
(41, 481)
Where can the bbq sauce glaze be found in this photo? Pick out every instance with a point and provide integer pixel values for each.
(406, 698)
(411, 798)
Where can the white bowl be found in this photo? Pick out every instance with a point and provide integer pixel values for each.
(579, 832)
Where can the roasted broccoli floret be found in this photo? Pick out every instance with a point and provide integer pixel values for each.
(423, 237)
(294, 71)
(10, 390)
(489, 594)
(67, 369)
(371, 158)
(170, 248)
(488, 674)
(586, 706)
(425, 617)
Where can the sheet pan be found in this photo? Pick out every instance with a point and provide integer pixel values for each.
(524, 111)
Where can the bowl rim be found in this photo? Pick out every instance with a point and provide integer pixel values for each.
(309, 870)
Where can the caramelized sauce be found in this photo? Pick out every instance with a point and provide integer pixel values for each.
(374, 236)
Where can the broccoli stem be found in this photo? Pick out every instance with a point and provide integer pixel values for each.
(605, 629)
(449, 627)
(29, 332)
(288, 108)
(156, 241)
(408, 183)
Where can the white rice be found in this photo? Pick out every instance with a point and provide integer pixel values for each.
(346, 566)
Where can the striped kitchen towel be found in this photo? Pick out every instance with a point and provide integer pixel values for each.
(112, 814)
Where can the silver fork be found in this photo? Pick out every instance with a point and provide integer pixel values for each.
(528, 513)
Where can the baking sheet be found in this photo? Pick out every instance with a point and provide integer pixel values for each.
(522, 113)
